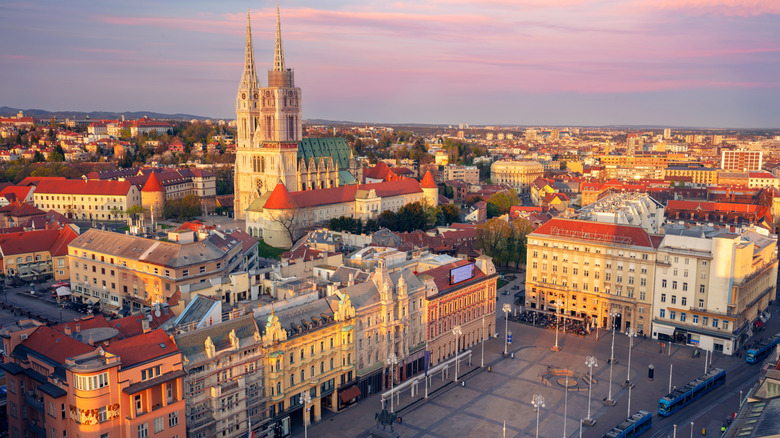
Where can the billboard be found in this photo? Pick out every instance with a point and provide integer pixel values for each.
(462, 273)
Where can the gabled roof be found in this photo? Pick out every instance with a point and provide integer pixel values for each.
(377, 172)
(83, 187)
(55, 241)
(334, 147)
(280, 199)
(18, 193)
(142, 348)
(54, 345)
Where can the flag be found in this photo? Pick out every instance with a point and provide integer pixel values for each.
(249, 432)
(427, 361)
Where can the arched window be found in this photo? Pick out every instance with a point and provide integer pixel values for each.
(292, 380)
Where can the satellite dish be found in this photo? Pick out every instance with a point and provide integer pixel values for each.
(157, 312)
(149, 317)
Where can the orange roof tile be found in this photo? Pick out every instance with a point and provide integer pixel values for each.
(152, 184)
(595, 231)
(142, 348)
(427, 181)
(84, 187)
(55, 345)
(280, 198)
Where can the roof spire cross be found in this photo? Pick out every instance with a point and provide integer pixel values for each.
(278, 53)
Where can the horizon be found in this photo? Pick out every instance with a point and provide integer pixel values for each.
(589, 63)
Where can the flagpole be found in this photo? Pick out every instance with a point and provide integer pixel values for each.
(426, 353)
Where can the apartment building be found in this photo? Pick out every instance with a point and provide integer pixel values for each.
(310, 349)
(469, 174)
(601, 273)
(390, 318)
(224, 390)
(637, 166)
(37, 255)
(129, 271)
(92, 382)
(713, 285)
(741, 160)
(460, 294)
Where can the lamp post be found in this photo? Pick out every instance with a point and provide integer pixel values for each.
(691, 429)
(392, 361)
(506, 308)
(538, 402)
(305, 399)
(457, 332)
(612, 358)
(631, 333)
(591, 362)
(565, 406)
(556, 347)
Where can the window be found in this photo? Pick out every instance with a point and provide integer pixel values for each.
(158, 425)
(674, 299)
(705, 320)
(715, 322)
(663, 298)
(725, 325)
(642, 295)
(185, 273)
(663, 283)
(684, 301)
(202, 269)
(672, 314)
(90, 383)
(143, 431)
(701, 288)
(173, 418)
(685, 286)
(292, 379)
(138, 405)
(682, 316)
(695, 319)
(674, 285)
(663, 313)
(643, 282)
(150, 373)
(701, 304)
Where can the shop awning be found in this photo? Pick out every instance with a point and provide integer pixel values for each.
(349, 394)
(663, 329)
(63, 291)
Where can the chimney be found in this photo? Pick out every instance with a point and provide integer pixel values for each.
(91, 341)
(145, 325)
(78, 326)
(68, 330)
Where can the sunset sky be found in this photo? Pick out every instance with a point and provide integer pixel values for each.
(708, 63)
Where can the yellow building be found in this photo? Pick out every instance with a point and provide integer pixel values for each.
(597, 272)
(37, 255)
(518, 174)
(696, 175)
(310, 349)
(638, 166)
(87, 199)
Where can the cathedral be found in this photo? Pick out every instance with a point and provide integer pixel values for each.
(269, 144)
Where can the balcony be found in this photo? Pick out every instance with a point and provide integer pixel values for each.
(35, 402)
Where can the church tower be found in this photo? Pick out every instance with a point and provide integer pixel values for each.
(269, 128)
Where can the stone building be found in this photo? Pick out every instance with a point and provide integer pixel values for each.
(518, 174)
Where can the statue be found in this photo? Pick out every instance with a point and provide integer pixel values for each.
(385, 418)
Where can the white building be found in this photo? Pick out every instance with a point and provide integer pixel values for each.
(627, 208)
(712, 286)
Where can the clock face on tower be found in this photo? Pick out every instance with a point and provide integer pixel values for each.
(257, 96)
(243, 95)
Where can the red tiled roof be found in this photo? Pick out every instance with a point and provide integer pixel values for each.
(60, 246)
(142, 348)
(427, 181)
(84, 187)
(441, 275)
(280, 199)
(36, 241)
(34, 180)
(18, 192)
(377, 172)
(310, 198)
(132, 325)
(720, 207)
(55, 345)
(594, 231)
(21, 209)
(152, 184)
(195, 226)
(85, 323)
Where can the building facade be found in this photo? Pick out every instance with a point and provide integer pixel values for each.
(741, 160)
(469, 174)
(87, 199)
(518, 174)
(712, 285)
(599, 273)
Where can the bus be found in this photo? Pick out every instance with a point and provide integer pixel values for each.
(632, 426)
(681, 397)
(761, 349)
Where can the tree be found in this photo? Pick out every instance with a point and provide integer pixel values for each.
(504, 200)
(449, 213)
(492, 237)
(412, 217)
(387, 219)
(57, 155)
(288, 219)
(134, 211)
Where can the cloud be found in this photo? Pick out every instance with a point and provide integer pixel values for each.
(739, 8)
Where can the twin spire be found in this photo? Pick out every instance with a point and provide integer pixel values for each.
(249, 77)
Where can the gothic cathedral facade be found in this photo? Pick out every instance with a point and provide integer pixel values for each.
(269, 127)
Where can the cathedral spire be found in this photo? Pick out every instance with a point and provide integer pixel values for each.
(249, 78)
(278, 53)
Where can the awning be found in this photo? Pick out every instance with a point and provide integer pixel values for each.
(60, 284)
(663, 329)
(349, 394)
(63, 291)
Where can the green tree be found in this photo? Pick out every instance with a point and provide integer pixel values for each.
(412, 217)
(387, 219)
(449, 213)
(57, 155)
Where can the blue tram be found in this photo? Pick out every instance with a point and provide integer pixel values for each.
(763, 348)
(632, 426)
(681, 397)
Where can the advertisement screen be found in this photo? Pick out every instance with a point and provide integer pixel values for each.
(462, 273)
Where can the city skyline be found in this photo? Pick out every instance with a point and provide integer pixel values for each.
(707, 63)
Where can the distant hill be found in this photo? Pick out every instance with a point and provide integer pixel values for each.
(130, 115)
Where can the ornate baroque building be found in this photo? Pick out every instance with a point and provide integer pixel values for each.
(269, 148)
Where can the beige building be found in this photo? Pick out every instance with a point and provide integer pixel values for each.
(597, 272)
(309, 349)
(469, 174)
(713, 286)
(225, 372)
(122, 270)
(518, 174)
(87, 199)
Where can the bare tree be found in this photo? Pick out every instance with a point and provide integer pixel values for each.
(290, 220)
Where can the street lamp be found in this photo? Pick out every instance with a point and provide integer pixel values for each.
(565, 406)
(614, 315)
(392, 361)
(556, 347)
(591, 362)
(457, 332)
(482, 365)
(305, 399)
(631, 333)
(538, 402)
(506, 308)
